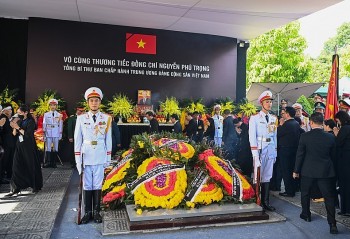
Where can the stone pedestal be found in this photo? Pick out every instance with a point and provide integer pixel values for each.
(165, 218)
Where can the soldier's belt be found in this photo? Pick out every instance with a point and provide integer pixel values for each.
(51, 126)
(93, 142)
(264, 139)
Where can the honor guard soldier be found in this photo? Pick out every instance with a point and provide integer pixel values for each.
(305, 123)
(52, 127)
(263, 142)
(93, 149)
(218, 123)
(344, 105)
(319, 107)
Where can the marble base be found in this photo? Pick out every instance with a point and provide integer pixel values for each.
(165, 218)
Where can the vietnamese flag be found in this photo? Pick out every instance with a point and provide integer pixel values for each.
(332, 97)
(140, 43)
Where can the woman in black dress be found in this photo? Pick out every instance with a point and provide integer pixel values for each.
(26, 171)
(343, 160)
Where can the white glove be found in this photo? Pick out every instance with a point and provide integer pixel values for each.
(255, 153)
(79, 168)
(256, 161)
(105, 165)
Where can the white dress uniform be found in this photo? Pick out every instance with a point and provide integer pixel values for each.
(263, 143)
(93, 147)
(52, 126)
(218, 123)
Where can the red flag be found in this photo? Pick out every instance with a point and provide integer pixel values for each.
(332, 97)
(140, 43)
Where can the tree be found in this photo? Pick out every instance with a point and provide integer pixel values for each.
(278, 56)
(341, 39)
(322, 65)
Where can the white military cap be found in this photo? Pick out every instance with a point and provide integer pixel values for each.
(7, 108)
(266, 95)
(217, 106)
(345, 103)
(297, 106)
(93, 92)
(53, 101)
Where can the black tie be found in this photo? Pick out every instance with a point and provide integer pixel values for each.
(94, 118)
(53, 114)
(267, 118)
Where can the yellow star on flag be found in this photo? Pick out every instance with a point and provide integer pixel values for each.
(141, 44)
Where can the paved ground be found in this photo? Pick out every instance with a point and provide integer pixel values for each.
(52, 213)
(293, 227)
(33, 215)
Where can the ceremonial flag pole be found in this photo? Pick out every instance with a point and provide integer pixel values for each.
(332, 95)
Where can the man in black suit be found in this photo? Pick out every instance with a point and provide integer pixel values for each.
(198, 129)
(153, 123)
(177, 126)
(315, 163)
(288, 134)
(229, 135)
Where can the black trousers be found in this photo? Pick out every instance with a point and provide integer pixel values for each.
(327, 188)
(287, 161)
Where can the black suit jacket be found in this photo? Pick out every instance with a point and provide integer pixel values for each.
(154, 126)
(177, 127)
(316, 154)
(194, 131)
(288, 134)
(229, 135)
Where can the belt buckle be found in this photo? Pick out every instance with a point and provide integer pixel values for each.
(268, 139)
(93, 142)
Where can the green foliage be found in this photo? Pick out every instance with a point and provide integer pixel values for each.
(278, 56)
(322, 65)
(341, 39)
(306, 103)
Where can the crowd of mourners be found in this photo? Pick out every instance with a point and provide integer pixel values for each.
(310, 154)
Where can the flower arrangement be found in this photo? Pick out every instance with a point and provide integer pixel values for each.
(247, 109)
(170, 106)
(121, 106)
(221, 171)
(158, 172)
(8, 96)
(165, 190)
(186, 150)
(208, 194)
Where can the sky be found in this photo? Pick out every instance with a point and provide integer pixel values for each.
(322, 25)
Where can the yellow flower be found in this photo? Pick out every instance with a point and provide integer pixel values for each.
(139, 211)
(121, 106)
(141, 144)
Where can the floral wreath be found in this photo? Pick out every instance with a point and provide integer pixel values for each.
(166, 190)
(185, 149)
(221, 171)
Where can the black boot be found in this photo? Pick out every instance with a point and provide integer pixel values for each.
(265, 197)
(88, 206)
(97, 206)
(53, 159)
(47, 159)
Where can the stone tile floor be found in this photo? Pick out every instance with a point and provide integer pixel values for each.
(315, 207)
(33, 215)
